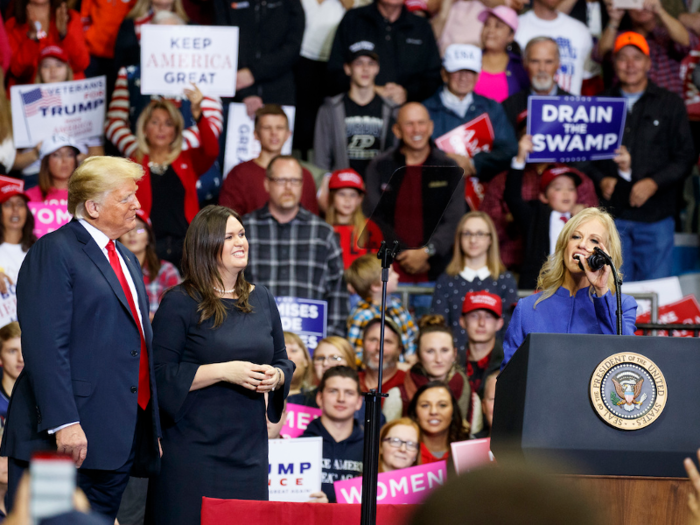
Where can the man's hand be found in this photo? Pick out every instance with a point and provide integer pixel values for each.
(252, 104)
(464, 162)
(641, 191)
(318, 497)
(244, 78)
(607, 187)
(393, 92)
(72, 441)
(414, 261)
(524, 148)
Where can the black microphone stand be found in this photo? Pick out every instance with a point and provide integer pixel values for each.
(373, 406)
(618, 284)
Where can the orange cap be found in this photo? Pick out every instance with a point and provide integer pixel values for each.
(630, 38)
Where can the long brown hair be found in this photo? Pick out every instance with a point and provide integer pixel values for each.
(45, 177)
(5, 113)
(151, 261)
(457, 430)
(28, 237)
(201, 256)
(359, 235)
(493, 255)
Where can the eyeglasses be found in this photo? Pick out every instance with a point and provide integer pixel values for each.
(283, 182)
(396, 443)
(478, 235)
(331, 359)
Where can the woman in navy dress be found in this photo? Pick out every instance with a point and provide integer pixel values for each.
(574, 300)
(218, 346)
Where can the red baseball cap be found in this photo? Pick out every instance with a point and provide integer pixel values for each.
(53, 52)
(10, 187)
(482, 301)
(556, 170)
(144, 217)
(347, 178)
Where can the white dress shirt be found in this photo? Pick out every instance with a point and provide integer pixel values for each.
(556, 225)
(469, 275)
(102, 240)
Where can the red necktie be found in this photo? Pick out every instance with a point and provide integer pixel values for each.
(144, 378)
(564, 218)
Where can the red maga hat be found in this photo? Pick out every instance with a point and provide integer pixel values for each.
(482, 301)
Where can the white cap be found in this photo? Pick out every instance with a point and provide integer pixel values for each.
(56, 142)
(462, 56)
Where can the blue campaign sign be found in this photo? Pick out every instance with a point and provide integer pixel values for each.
(308, 318)
(573, 129)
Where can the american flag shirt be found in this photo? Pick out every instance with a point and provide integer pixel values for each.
(301, 258)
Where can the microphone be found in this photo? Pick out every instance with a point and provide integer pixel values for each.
(595, 261)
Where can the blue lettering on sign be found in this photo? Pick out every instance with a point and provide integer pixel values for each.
(574, 129)
(305, 317)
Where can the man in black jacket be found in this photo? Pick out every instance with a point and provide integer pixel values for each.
(405, 43)
(415, 183)
(642, 186)
(269, 42)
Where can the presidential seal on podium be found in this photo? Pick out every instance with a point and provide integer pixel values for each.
(628, 391)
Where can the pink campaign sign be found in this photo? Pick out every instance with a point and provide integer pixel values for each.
(48, 217)
(405, 486)
(298, 418)
(471, 454)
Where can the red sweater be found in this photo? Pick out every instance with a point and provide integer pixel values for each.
(244, 189)
(189, 166)
(25, 51)
(101, 20)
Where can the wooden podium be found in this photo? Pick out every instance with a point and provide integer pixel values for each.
(630, 500)
(545, 410)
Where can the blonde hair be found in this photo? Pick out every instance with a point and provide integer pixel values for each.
(553, 271)
(292, 338)
(493, 254)
(359, 221)
(363, 273)
(145, 116)
(343, 346)
(407, 421)
(96, 177)
(5, 113)
(143, 7)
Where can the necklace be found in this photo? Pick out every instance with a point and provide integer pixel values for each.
(224, 292)
(158, 169)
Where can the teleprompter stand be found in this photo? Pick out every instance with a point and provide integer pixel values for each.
(373, 406)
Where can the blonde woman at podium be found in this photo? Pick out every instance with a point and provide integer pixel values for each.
(573, 299)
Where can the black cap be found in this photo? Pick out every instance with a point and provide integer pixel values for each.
(363, 48)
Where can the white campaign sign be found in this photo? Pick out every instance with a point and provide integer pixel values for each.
(294, 469)
(241, 145)
(174, 57)
(75, 108)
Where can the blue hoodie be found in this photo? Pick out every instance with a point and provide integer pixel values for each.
(341, 460)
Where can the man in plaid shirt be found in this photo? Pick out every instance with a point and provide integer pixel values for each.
(293, 252)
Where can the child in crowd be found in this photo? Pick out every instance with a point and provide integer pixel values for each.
(541, 220)
(357, 235)
(11, 361)
(365, 276)
(343, 439)
(476, 266)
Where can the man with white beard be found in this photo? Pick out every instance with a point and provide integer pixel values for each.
(422, 194)
(541, 61)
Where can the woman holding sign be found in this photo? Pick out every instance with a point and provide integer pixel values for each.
(218, 347)
(168, 192)
(573, 298)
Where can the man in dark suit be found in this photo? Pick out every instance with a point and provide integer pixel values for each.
(87, 388)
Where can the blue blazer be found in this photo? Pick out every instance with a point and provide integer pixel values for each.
(81, 348)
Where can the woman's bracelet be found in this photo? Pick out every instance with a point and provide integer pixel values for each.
(279, 378)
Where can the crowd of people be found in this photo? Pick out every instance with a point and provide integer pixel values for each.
(375, 84)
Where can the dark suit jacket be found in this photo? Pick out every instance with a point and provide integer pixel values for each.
(81, 350)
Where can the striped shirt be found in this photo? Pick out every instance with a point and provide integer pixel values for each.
(301, 258)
